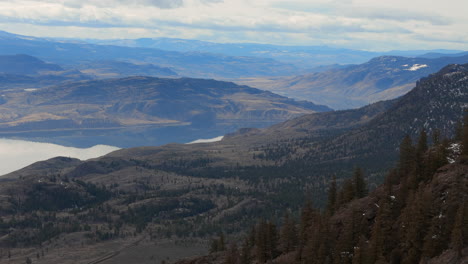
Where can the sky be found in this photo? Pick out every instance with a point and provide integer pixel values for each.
(359, 24)
(16, 154)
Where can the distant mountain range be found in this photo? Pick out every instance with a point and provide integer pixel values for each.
(189, 64)
(381, 78)
(114, 69)
(27, 72)
(302, 56)
(26, 65)
(145, 101)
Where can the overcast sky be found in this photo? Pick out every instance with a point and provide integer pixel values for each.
(362, 24)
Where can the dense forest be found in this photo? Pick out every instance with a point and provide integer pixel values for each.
(419, 215)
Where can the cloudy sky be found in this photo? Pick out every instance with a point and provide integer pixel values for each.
(362, 24)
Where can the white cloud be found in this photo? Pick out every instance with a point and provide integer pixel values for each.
(292, 22)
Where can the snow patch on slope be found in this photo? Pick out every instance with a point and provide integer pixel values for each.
(210, 140)
(416, 67)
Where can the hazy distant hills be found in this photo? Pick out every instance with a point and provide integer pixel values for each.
(26, 65)
(113, 69)
(189, 64)
(381, 78)
(141, 101)
(434, 55)
(27, 72)
(302, 56)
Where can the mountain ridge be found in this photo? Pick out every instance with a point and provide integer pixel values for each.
(189, 64)
(381, 78)
(198, 190)
(132, 102)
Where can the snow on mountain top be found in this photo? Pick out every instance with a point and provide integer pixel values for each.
(416, 67)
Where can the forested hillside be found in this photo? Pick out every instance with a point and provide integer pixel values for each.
(419, 215)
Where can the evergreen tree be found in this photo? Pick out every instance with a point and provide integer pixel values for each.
(232, 254)
(464, 138)
(246, 255)
(457, 233)
(407, 158)
(221, 242)
(359, 251)
(360, 186)
(308, 216)
(422, 146)
(415, 222)
(266, 242)
(436, 137)
(332, 197)
(421, 150)
(347, 193)
(218, 244)
(383, 238)
(288, 235)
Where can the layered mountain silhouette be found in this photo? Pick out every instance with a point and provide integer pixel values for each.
(195, 190)
(27, 72)
(135, 101)
(381, 78)
(189, 64)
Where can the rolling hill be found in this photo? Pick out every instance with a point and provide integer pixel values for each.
(381, 78)
(144, 103)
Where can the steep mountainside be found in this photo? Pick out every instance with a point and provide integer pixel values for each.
(181, 191)
(190, 64)
(417, 216)
(381, 78)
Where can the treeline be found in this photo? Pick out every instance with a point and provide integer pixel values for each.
(412, 217)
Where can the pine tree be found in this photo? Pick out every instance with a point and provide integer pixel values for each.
(246, 252)
(266, 242)
(457, 233)
(383, 238)
(359, 251)
(436, 137)
(359, 184)
(421, 150)
(232, 254)
(218, 244)
(332, 197)
(308, 216)
(221, 242)
(422, 147)
(415, 222)
(464, 137)
(407, 158)
(288, 235)
(346, 194)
